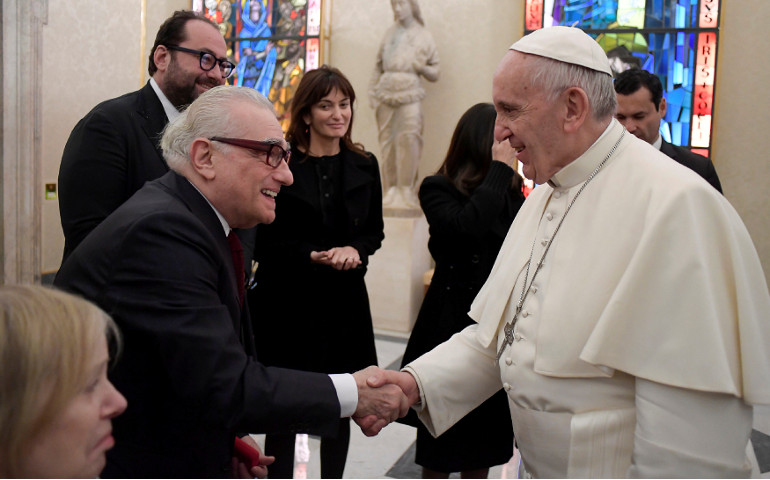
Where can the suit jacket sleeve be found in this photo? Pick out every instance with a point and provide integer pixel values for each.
(92, 175)
(368, 239)
(165, 291)
(109, 155)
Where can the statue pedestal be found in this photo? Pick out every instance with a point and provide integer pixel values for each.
(395, 276)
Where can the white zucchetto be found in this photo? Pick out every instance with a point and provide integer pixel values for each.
(565, 44)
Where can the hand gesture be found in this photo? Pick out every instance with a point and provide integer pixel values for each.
(339, 258)
(243, 470)
(377, 406)
(504, 152)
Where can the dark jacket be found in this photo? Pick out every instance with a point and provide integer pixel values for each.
(318, 318)
(160, 265)
(109, 155)
(697, 163)
(465, 236)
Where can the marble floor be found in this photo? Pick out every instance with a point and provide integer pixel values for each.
(391, 453)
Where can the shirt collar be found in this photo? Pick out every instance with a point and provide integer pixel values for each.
(225, 226)
(580, 168)
(168, 107)
(658, 143)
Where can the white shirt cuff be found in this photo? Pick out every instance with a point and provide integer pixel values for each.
(347, 393)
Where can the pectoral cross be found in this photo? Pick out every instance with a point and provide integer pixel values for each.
(508, 330)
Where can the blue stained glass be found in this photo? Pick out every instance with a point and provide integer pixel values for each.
(665, 132)
(668, 52)
(649, 65)
(678, 73)
(679, 17)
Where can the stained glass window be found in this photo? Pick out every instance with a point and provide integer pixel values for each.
(272, 43)
(674, 39)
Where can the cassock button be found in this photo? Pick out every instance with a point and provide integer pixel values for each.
(549, 216)
(507, 386)
(544, 242)
(525, 314)
(557, 194)
(508, 361)
(534, 289)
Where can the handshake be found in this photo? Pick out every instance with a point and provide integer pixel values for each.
(383, 397)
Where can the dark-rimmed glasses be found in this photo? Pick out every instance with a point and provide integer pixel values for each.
(207, 60)
(275, 153)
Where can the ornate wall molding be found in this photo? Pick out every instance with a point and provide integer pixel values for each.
(20, 163)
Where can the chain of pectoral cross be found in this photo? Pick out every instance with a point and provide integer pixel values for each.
(508, 328)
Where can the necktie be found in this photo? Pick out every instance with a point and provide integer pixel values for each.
(236, 250)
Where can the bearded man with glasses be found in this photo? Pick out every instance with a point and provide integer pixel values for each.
(115, 148)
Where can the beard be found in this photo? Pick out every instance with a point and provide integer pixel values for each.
(179, 86)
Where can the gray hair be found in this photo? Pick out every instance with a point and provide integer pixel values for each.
(554, 77)
(210, 115)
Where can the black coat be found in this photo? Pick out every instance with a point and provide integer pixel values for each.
(697, 163)
(318, 318)
(161, 266)
(465, 236)
(109, 155)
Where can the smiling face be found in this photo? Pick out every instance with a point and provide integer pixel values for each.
(638, 114)
(74, 444)
(526, 118)
(245, 185)
(329, 119)
(180, 75)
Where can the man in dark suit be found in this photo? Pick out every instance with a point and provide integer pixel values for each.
(161, 266)
(115, 148)
(641, 107)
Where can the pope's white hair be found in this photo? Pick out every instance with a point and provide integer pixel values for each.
(554, 77)
(210, 115)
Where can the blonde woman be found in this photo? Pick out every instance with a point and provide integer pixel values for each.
(56, 403)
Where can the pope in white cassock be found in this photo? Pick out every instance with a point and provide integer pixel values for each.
(627, 315)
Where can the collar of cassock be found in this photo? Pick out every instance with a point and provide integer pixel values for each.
(578, 171)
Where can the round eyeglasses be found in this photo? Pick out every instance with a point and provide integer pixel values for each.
(275, 153)
(207, 60)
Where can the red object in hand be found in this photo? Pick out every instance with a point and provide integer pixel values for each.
(246, 453)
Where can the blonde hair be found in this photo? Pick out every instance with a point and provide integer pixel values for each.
(47, 343)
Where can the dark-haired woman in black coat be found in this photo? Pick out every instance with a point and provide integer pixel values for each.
(310, 307)
(470, 203)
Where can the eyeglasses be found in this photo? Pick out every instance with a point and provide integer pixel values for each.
(275, 153)
(208, 61)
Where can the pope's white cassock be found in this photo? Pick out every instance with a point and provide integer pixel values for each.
(644, 338)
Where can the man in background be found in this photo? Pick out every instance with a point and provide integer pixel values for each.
(115, 148)
(641, 107)
(165, 266)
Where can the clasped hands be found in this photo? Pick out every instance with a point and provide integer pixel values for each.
(383, 397)
(339, 258)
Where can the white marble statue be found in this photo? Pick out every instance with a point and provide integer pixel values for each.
(406, 53)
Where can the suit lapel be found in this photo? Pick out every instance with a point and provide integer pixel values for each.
(152, 118)
(199, 207)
